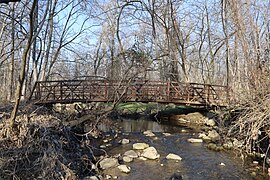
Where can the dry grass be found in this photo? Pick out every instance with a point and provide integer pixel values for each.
(41, 147)
(253, 122)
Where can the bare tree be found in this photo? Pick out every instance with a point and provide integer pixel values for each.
(23, 66)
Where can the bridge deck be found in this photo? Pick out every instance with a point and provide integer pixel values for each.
(69, 91)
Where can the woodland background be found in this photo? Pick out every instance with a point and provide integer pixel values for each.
(222, 42)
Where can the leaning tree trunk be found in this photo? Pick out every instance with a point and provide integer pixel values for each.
(23, 65)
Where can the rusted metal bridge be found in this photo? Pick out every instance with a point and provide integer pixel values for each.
(103, 90)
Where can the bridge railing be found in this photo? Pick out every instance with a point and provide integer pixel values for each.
(103, 90)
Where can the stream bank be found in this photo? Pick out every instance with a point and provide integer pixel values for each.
(51, 145)
(209, 129)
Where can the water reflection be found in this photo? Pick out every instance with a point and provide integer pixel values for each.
(141, 125)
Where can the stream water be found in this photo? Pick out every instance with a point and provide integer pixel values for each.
(198, 162)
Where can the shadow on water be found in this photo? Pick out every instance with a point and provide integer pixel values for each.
(198, 162)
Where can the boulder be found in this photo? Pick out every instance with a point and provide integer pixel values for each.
(210, 122)
(193, 140)
(150, 153)
(193, 118)
(173, 157)
(213, 135)
(127, 159)
(131, 154)
(215, 147)
(108, 163)
(228, 145)
(124, 168)
(140, 146)
(171, 105)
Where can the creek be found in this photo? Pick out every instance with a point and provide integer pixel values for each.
(198, 162)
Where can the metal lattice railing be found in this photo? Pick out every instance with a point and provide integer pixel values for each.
(101, 90)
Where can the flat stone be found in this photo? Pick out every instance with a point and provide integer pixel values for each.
(183, 121)
(124, 168)
(184, 131)
(102, 146)
(173, 157)
(166, 134)
(222, 164)
(149, 133)
(91, 178)
(150, 153)
(124, 141)
(127, 159)
(131, 154)
(201, 135)
(108, 163)
(142, 158)
(193, 140)
(140, 146)
(255, 162)
(206, 138)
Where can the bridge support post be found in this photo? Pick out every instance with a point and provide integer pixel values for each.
(168, 90)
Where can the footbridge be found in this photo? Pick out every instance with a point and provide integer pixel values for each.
(103, 90)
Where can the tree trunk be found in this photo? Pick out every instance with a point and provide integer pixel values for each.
(22, 71)
(12, 59)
